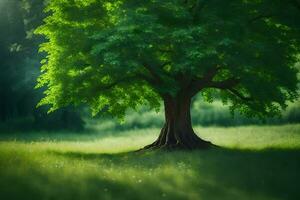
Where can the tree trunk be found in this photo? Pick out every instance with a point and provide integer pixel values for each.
(177, 132)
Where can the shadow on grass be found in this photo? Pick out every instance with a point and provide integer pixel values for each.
(212, 174)
(37, 186)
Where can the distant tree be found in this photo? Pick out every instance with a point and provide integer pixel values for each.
(19, 68)
(12, 31)
(114, 55)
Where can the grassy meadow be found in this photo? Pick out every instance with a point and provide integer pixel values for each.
(253, 162)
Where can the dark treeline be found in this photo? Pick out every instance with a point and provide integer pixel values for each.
(19, 69)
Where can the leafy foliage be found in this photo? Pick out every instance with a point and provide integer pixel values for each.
(114, 55)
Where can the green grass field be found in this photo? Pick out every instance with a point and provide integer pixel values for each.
(253, 163)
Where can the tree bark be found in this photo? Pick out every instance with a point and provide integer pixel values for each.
(177, 132)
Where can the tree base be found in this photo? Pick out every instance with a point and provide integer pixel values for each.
(195, 144)
(177, 132)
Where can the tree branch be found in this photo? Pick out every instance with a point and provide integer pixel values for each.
(239, 95)
(207, 82)
(153, 73)
(157, 72)
(197, 85)
(229, 85)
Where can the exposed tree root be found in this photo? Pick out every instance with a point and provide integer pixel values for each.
(179, 146)
(190, 142)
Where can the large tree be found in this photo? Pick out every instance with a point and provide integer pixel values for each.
(114, 55)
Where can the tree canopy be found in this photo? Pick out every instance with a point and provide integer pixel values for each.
(116, 55)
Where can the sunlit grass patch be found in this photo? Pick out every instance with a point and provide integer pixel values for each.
(253, 163)
(254, 137)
